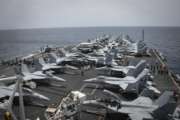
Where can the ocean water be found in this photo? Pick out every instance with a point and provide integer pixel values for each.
(21, 42)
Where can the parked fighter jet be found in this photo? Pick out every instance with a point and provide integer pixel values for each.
(30, 97)
(120, 71)
(102, 57)
(72, 61)
(140, 108)
(9, 95)
(133, 83)
(90, 45)
(85, 47)
(63, 60)
(129, 46)
(37, 77)
(45, 66)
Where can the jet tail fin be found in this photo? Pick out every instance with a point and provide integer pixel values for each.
(54, 55)
(138, 69)
(164, 98)
(139, 84)
(109, 93)
(41, 61)
(167, 105)
(24, 68)
(108, 59)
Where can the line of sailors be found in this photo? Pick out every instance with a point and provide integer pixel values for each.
(159, 68)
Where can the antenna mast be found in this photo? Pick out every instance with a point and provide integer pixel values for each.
(143, 35)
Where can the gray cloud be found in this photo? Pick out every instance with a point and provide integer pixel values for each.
(74, 13)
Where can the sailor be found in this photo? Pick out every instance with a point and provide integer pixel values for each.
(125, 60)
(160, 69)
(82, 71)
(175, 94)
(148, 66)
(109, 58)
(16, 60)
(163, 69)
(7, 116)
(33, 61)
(41, 49)
(166, 70)
(91, 65)
(118, 106)
(156, 67)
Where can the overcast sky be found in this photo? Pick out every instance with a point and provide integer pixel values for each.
(79, 13)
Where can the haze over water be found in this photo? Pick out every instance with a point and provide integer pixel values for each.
(22, 42)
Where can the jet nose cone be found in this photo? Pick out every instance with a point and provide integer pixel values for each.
(58, 61)
(42, 97)
(58, 79)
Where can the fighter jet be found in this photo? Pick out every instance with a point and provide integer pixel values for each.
(103, 57)
(98, 57)
(85, 47)
(133, 83)
(140, 108)
(9, 95)
(46, 66)
(126, 45)
(91, 45)
(63, 61)
(73, 61)
(30, 97)
(31, 78)
(39, 76)
(120, 71)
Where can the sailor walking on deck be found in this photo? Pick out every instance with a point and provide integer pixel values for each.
(82, 70)
(7, 116)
